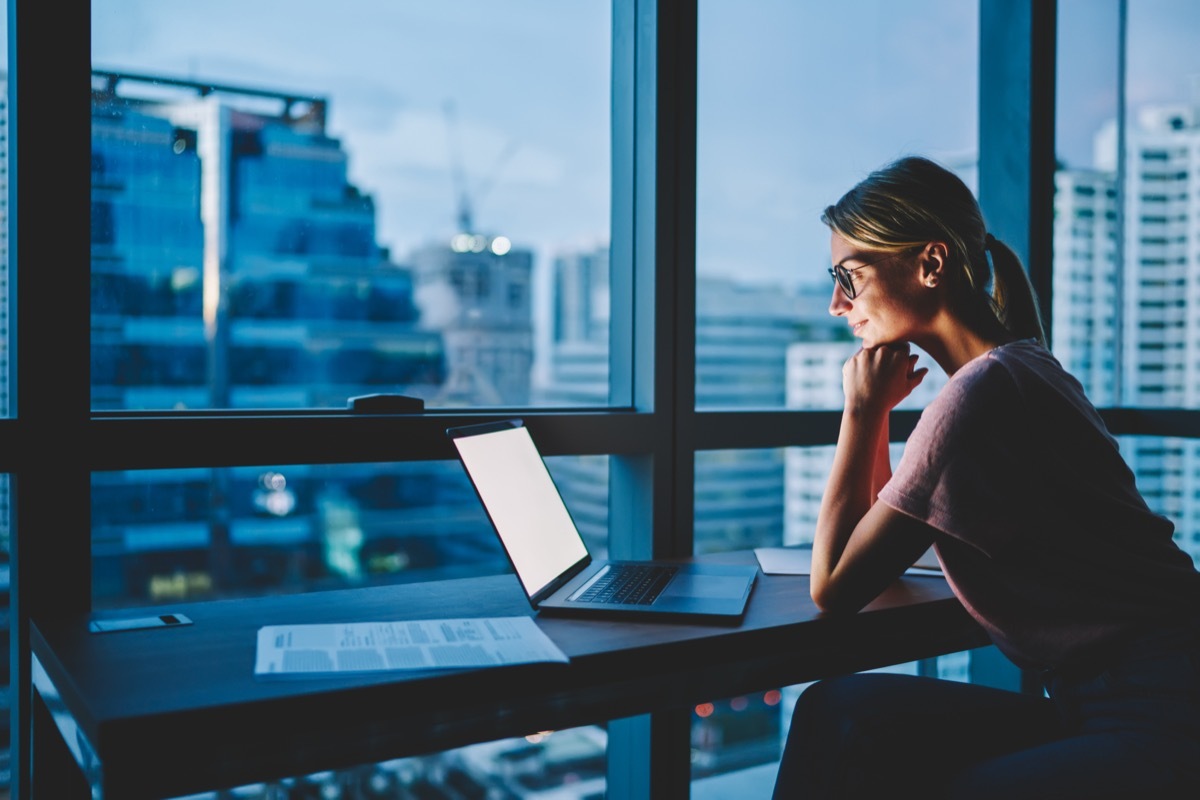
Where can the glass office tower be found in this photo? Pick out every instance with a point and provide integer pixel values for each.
(235, 266)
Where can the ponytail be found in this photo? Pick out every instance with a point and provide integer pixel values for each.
(1013, 299)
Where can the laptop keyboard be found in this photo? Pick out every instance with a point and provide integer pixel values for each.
(629, 584)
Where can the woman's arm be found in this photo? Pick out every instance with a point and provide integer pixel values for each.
(883, 461)
(861, 545)
(878, 550)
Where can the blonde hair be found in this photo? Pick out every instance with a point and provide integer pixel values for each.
(914, 201)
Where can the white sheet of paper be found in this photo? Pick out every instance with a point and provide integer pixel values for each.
(798, 561)
(338, 648)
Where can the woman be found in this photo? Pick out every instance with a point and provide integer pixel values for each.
(1013, 478)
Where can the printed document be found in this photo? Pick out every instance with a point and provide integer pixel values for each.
(339, 648)
(798, 561)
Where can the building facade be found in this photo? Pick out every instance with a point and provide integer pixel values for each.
(234, 266)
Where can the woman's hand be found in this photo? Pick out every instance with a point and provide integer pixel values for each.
(861, 545)
(875, 379)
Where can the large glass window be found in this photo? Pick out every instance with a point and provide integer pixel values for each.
(797, 102)
(294, 204)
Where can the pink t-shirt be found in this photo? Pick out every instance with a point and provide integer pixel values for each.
(1048, 542)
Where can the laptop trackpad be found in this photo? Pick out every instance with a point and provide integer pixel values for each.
(687, 585)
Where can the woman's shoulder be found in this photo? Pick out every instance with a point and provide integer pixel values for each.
(983, 392)
(1021, 376)
(1023, 351)
(1012, 363)
(997, 366)
(1029, 363)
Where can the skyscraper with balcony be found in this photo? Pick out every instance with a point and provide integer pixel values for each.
(1085, 279)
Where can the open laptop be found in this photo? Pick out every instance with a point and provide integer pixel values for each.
(550, 558)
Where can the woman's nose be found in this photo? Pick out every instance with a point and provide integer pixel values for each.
(839, 304)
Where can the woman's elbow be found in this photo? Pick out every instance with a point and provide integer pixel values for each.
(821, 595)
(830, 601)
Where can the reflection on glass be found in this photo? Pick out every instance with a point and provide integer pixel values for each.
(787, 122)
(379, 197)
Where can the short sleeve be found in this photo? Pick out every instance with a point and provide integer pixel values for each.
(960, 469)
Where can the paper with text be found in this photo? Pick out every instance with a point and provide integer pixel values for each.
(798, 561)
(338, 648)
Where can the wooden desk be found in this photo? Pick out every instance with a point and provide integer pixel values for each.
(170, 711)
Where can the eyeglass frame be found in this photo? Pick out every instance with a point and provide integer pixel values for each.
(843, 279)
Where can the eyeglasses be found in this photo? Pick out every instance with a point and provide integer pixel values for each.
(841, 275)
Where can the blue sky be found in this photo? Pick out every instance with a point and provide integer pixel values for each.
(797, 102)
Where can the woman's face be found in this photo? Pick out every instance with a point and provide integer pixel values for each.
(890, 304)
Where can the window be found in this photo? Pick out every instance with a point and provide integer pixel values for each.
(775, 145)
(772, 153)
(271, 233)
(542, 257)
(350, 207)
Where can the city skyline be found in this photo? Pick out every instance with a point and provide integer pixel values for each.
(540, 161)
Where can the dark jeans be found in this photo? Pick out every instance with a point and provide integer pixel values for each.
(1130, 731)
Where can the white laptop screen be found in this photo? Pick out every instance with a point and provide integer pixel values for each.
(524, 504)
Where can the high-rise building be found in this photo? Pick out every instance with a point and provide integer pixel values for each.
(582, 303)
(234, 265)
(1085, 279)
(475, 291)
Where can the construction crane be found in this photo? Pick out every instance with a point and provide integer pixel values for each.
(468, 200)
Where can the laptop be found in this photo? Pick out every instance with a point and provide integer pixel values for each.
(549, 556)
